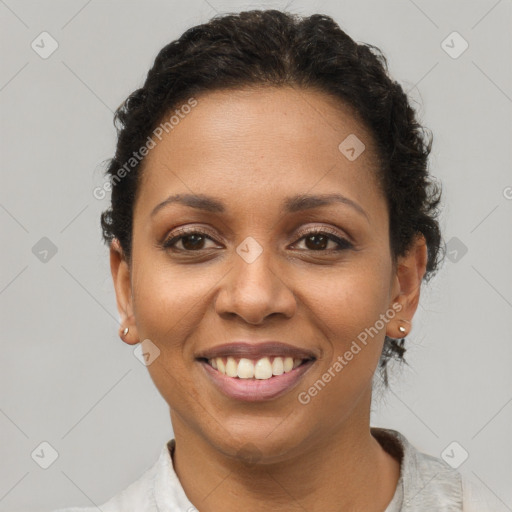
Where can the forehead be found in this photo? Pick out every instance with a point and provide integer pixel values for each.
(267, 142)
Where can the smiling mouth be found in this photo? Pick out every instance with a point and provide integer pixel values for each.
(256, 369)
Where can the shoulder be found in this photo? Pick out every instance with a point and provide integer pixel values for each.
(159, 488)
(429, 483)
(135, 497)
(138, 496)
(478, 498)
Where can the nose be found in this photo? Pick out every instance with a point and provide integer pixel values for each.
(254, 291)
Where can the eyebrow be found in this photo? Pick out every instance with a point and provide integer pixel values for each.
(291, 204)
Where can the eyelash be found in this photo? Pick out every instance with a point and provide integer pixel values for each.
(343, 243)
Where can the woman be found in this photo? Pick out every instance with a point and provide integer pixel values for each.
(272, 222)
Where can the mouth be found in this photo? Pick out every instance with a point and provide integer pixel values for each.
(251, 388)
(255, 372)
(260, 369)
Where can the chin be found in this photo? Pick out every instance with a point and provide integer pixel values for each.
(260, 441)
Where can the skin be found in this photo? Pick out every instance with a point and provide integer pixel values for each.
(252, 148)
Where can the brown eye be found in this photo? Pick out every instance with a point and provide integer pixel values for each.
(318, 241)
(190, 240)
(315, 242)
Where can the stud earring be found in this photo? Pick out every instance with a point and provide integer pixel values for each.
(402, 329)
(125, 332)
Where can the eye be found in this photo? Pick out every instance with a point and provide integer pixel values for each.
(315, 240)
(318, 240)
(191, 240)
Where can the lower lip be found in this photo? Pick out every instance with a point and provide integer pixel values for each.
(256, 390)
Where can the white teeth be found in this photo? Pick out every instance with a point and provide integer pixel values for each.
(277, 366)
(231, 367)
(261, 369)
(245, 369)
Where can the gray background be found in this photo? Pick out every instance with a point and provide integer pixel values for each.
(65, 376)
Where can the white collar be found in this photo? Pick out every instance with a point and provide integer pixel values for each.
(419, 475)
(167, 491)
(426, 483)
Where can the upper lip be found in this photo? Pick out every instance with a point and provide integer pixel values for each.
(256, 350)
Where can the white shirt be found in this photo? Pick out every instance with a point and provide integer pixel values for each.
(426, 484)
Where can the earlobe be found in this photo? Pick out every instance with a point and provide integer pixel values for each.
(411, 268)
(120, 270)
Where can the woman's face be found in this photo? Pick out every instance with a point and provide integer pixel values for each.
(254, 271)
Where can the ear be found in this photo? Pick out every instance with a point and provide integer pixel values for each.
(122, 284)
(410, 270)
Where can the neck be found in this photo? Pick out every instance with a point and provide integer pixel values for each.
(342, 470)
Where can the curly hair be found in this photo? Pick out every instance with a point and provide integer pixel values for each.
(275, 48)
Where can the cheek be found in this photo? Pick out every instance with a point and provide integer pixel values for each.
(167, 301)
(347, 309)
(348, 300)
(166, 306)
(169, 305)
